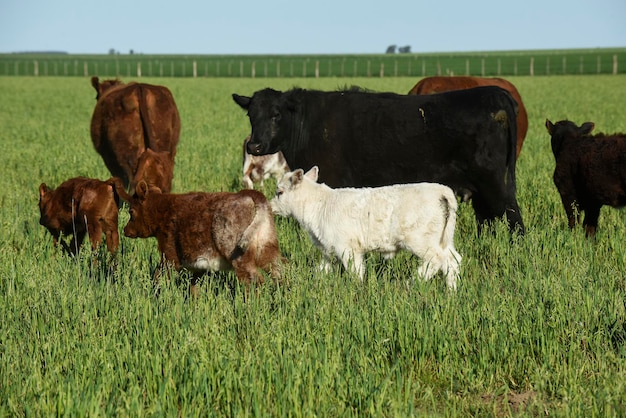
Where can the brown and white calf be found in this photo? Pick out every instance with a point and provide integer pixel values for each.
(257, 168)
(590, 171)
(81, 206)
(348, 222)
(203, 232)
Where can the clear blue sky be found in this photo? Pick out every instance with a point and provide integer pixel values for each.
(310, 27)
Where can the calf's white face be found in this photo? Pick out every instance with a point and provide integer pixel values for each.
(287, 191)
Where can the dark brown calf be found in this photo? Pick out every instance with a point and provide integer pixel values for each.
(438, 84)
(204, 232)
(590, 171)
(128, 122)
(81, 206)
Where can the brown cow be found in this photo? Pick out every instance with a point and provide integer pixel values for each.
(257, 168)
(130, 119)
(590, 171)
(437, 84)
(204, 232)
(79, 206)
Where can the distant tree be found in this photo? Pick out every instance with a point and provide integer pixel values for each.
(112, 51)
(391, 49)
(131, 52)
(405, 49)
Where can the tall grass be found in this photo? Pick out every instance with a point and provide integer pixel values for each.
(537, 326)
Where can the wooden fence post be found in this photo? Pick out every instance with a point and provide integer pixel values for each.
(138, 69)
(382, 69)
(195, 69)
(317, 69)
(532, 66)
(253, 69)
(615, 64)
(35, 68)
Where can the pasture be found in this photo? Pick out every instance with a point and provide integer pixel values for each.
(536, 327)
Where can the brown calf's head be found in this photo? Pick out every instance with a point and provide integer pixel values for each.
(141, 223)
(102, 87)
(154, 168)
(48, 209)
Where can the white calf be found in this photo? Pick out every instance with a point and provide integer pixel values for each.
(257, 168)
(349, 222)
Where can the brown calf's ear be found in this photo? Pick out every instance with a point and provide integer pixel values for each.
(43, 189)
(142, 189)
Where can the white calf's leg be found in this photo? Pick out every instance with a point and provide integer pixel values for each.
(453, 267)
(350, 258)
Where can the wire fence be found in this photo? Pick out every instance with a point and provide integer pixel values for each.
(387, 65)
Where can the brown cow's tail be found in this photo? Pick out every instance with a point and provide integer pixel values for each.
(149, 136)
(119, 192)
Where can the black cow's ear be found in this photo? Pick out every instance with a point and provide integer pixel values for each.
(586, 128)
(242, 101)
(549, 126)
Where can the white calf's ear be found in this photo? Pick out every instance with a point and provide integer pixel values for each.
(313, 173)
(297, 177)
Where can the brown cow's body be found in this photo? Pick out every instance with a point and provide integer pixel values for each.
(590, 171)
(257, 168)
(81, 206)
(208, 231)
(130, 119)
(438, 84)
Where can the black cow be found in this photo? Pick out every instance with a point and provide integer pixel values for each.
(465, 139)
(590, 171)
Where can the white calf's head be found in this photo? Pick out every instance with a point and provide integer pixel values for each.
(291, 191)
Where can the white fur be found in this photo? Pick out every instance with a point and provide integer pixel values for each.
(257, 168)
(349, 222)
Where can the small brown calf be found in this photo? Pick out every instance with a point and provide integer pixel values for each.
(204, 232)
(81, 206)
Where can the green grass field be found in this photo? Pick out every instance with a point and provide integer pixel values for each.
(537, 326)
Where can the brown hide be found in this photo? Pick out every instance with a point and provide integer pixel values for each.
(438, 84)
(590, 171)
(208, 231)
(127, 120)
(81, 206)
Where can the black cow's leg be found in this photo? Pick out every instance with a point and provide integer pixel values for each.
(592, 213)
(488, 209)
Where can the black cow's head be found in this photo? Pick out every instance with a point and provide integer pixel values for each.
(270, 118)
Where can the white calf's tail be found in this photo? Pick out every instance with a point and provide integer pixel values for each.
(452, 259)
